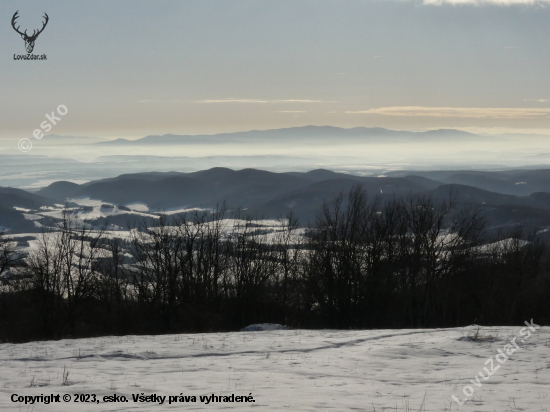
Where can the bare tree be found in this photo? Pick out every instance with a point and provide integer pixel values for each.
(63, 270)
(288, 247)
(10, 256)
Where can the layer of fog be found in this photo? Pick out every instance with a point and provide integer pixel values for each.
(79, 160)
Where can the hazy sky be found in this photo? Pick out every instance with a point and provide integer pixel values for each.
(132, 68)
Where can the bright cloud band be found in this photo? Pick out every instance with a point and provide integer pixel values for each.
(258, 101)
(470, 112)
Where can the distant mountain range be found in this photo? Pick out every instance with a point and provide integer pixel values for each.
(515, 182)
(262, 193)
(505, 198)
(318, 134)
(306, 133)
(513, 197)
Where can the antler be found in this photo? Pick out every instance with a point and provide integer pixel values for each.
(15, 16)
(43, 27)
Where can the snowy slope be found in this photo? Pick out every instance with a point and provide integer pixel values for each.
(294, 370)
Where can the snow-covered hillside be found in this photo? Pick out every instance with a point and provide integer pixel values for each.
(294, 370)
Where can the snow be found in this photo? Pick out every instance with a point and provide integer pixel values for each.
(93, 212)
(263, 327)
(505, 244)
(86, 201)
(28, 216)
(138, 207)
(294, 370)
(180, 210)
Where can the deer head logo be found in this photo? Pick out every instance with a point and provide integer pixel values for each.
(29, 40)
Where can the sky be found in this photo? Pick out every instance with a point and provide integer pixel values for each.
(130, 69)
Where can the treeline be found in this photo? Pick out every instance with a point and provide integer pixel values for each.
(409, 262)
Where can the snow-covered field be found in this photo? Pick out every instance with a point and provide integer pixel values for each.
(294, 370)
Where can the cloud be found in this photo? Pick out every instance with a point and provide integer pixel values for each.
(232, 100)
(537, 100)
(261, 101)
(483, 2)
(460, 112)
(163, 101)
(290, 111)
(493, 130)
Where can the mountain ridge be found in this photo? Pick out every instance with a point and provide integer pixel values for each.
(266, 194)
(363, 134)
